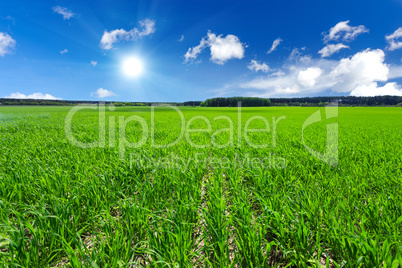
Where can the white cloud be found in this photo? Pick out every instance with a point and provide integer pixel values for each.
(395, 35)
(36, 95)
(64, 51)
(362, 74)
(7, 44)
(309, 77)
(181, 38)
(363, 68)
(278, 73)
(93, 62)
(147, 27)
(193, 53)
(392, 40)
(330, 49)
(222, 48)
(103, 93)
(374, 90)
(344, 31)
(274, 45)
(67, 14)
(257, 66)
(274, 85)
(297, 55)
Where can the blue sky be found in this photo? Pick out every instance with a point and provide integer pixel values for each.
(193, 50)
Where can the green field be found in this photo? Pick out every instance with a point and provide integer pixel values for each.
(213, 199)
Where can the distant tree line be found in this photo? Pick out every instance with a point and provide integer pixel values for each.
(233, 101)
(307, 101)
(192, 103)
(7, 101)
(343, 101)
(33, 102)
(373, 101)
(120, 104)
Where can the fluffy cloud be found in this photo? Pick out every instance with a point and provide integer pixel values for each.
(274, 45)
(67, 14)
(344, 31)
(93, 62)
(363, 68)
(374, 90)
(309, 77)
(147, 27)
(181, 38)
(330, 49)
(64, 51)
(362, 74)
(36, 95)
(222, 48)
(392, 40)
(103, 93)
(7, 44)
(256, 66)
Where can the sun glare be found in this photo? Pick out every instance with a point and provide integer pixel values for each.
(132, 67)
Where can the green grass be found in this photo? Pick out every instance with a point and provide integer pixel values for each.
(61, 205)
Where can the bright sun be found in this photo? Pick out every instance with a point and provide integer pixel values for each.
(132, 67)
